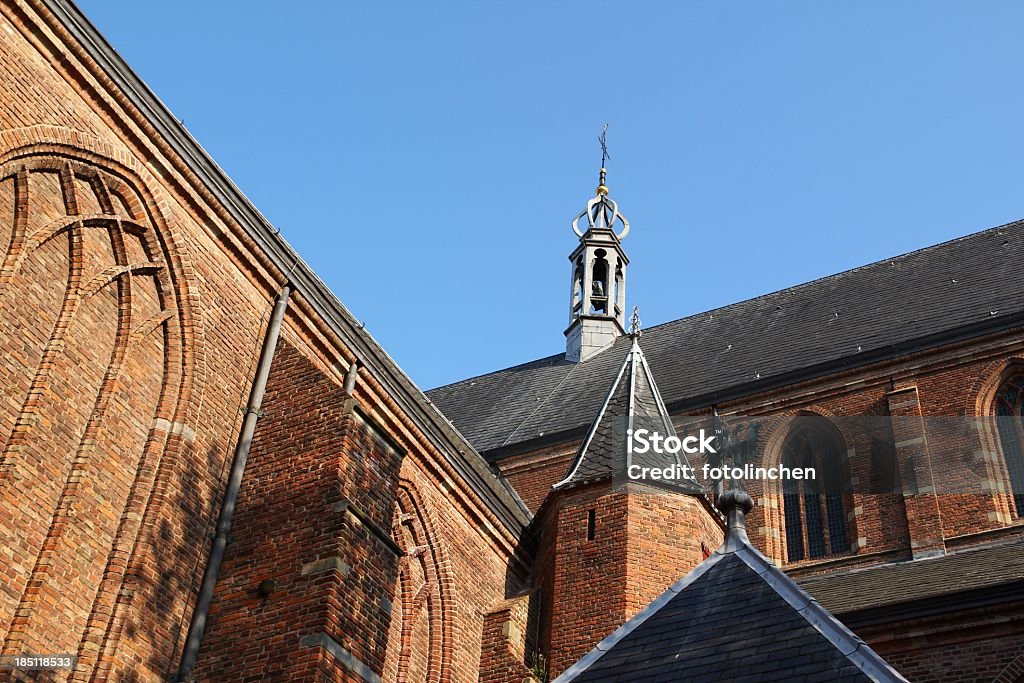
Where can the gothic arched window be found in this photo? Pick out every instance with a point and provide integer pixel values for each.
(599, 287)
(1010, 420)
(815, 509)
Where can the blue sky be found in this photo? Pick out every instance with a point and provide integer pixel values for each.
(426, 158)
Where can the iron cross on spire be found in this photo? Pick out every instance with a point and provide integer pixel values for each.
(602, 189)
(603, 139)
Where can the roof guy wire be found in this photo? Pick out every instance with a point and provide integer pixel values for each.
(540, 404)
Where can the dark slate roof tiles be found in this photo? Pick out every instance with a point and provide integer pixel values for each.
(632, 402)
(965, 284)
(902, 582)
(735, 617)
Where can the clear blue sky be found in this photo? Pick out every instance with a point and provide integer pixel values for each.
(426, 158)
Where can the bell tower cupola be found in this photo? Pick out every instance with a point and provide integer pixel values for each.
(597, 298)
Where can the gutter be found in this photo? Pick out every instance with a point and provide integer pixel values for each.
(197, 625)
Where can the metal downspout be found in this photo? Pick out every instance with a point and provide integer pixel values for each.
(227, 511)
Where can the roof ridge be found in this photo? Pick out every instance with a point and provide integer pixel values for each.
(883, 566)
(585, 444)
(824, 622)
(635, 377)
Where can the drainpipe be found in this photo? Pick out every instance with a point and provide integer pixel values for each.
(227, 510)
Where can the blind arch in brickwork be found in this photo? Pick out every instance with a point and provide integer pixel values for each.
(96, 292)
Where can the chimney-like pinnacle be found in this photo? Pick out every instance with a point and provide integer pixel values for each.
(735, 504)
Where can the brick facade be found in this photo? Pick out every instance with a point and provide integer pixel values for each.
(134, 303)
(134, 307)
(957, 380)
(606, 552)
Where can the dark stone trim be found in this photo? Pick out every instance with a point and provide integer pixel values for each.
(380, 534)
(340, 655)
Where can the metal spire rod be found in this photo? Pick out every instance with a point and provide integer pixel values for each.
(603, 139)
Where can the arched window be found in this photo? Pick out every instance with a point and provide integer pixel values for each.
(599, 288)
(815, 509)
(1010, 421)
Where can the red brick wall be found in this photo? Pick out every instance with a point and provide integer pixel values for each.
(642, 543)
(668, 534)
(121, 397)
(113, 441)
(506, 643)
(589, 578)
(332, 576)
(533, 474)
(319, 479)
(964, 647)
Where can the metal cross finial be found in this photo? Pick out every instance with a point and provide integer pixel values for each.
(604, 144)
(634, 323)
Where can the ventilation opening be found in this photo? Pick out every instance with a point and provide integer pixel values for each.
(591, 523)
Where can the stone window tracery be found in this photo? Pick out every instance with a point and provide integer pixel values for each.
(814, 511)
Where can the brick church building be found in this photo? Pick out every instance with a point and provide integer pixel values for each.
(209, 471)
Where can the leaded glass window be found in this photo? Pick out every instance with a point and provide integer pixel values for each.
(814, 511)
(1010, 414)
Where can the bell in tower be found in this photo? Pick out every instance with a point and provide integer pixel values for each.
(597, 301)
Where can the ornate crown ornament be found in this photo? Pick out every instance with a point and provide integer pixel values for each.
(602, 213)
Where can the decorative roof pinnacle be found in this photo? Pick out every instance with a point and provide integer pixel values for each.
(634, 324)
(735, 504)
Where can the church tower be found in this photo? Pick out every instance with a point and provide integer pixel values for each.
(609, 545)
(597, 298)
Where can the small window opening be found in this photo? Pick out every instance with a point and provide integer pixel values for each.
(599, 289)
(591, 523)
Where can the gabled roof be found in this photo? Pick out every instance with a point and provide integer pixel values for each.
(735, 617)
(955, 290)
(632, 403)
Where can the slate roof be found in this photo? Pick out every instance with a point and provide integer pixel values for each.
(735, 617)
(632, 403)
(891, 584)
(957, 289)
